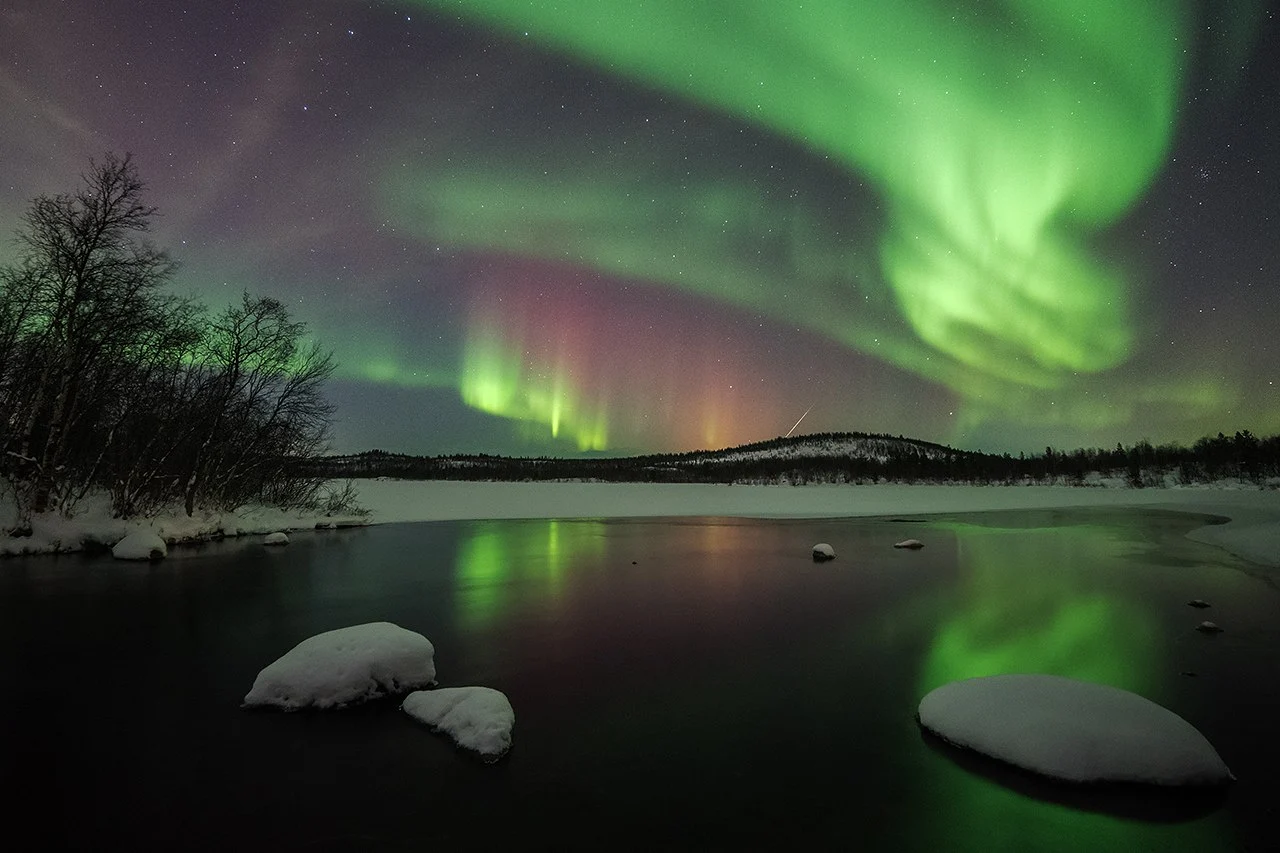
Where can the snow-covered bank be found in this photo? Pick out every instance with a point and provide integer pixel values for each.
(1253, 533)
(92, 526)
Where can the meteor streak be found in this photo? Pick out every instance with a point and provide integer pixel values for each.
(797, 423)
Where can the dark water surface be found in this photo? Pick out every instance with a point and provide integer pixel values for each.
(677, 684)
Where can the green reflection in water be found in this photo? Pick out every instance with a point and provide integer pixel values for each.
(1023, 613)
(500, 564)
(1030, 603)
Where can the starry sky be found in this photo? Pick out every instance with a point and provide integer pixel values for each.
(585, 226)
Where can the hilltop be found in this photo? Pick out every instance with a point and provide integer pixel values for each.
(849, 457)
(821, 457)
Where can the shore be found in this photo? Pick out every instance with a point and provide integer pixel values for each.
(1252, 533)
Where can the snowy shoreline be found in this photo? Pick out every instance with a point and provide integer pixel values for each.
(93, 528)
(1253, 532)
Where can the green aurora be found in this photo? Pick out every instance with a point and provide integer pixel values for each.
(1002, 139)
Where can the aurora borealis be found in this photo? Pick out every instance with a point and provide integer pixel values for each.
(583, 226)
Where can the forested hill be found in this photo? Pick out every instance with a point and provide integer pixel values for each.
(849, 458)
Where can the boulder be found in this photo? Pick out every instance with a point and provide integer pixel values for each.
(345, 667)
(1072, 731)
(140, 545)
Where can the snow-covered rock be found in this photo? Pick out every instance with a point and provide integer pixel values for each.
(477, 718)
(140, 545)
(1198, 603)
(823, 552)
(913, 544)
(1071, 730)
(277, 538)
(345, 667)
(1207, 627)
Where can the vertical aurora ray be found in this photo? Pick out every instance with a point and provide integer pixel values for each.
(1003, 139)
(603, 364)
(503, 376)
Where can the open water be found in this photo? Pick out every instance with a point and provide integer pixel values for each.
(678, 684)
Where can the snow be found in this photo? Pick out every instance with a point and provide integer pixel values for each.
(913, 544)
(277, 538)
(477, 718)
(1207, 627)
(822, 552)
(91, 523)
(1255, 542)
(344, 667)
(446, 500)
(1253, 533)
(1071, 730)
(140, 545)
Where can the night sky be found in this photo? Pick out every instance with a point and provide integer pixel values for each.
(586, 225)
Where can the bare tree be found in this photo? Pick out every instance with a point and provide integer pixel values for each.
(109, 382)
(85, 295)
(262, 408)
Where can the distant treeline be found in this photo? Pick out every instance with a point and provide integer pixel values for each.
(851, 458)
(108, 383)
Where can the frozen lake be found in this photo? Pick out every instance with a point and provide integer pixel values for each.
(685, 682)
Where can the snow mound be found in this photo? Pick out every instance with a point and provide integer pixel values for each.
(477, 718)
(913, 544)
(140, 545)
(823, 552)
(1071, 730)
(277, 538)
(345, 667)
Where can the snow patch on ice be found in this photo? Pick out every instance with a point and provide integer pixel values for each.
(477, 718)
(1257, 543)
(140, 545)
(1072, 730)
(344, 667)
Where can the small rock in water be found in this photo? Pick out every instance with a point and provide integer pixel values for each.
(1207, 627)
(277, 538)
(477, 718)
(823, 552)
(1198, 602)
(140, 545)
(913, 544)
